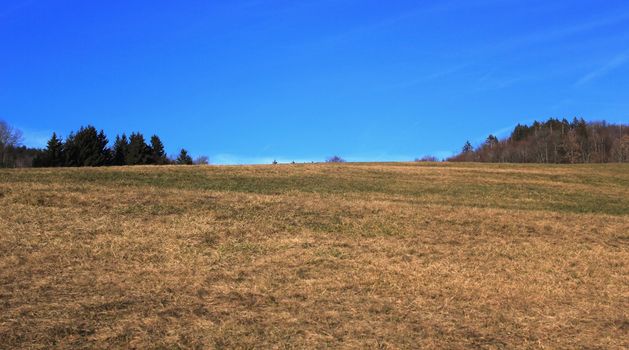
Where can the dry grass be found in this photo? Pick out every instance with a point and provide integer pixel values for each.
(315, 256)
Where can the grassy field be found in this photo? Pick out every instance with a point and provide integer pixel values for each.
(315, 256)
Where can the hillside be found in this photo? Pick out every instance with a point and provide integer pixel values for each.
(395, 255)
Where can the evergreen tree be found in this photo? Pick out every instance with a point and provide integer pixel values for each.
(138, 152)
(158, 155)
(53, 154)
(102, 153)
(184, 158)
(467, 148)
(70, 151)
(120, 150)
(491, 141)
(87, 148)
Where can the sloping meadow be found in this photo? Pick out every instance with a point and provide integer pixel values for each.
(315, 255)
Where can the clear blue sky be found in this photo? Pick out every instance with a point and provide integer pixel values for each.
(250, 81)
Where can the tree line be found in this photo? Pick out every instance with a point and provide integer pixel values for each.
(87, 147)
(553, 141)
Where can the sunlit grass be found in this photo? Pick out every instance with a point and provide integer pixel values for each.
(315, 255)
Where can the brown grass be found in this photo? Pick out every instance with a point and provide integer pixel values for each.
(316, 256)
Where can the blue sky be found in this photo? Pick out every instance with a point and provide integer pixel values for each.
(252, 81)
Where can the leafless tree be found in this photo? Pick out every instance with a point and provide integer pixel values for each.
(202, 160)
(9, 136)
(554, 141)
(9, 139)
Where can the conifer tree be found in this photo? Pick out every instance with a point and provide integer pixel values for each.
(184, 158)
(467, 148)
(138, 151)
(120, 150)
(158, 155)
(53, 154)
(87, 148)
(70, 151)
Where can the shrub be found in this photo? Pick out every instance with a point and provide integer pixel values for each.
(427, 159)
(335, 159)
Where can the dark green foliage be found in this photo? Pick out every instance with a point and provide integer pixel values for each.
(184, 158)
(87, 148)
(138, 152)
(158, 155)
(120, 150)
(52, 155)
(18, 156)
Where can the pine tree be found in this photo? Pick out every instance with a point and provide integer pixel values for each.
(70, 151)
(86, 148)
(158, 155)
(138, 151)
(120, 150)
(491, 141)
(102, 156)
(53, 154)
(184, 158)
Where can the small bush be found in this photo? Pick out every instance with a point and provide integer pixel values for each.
(335, 159)
(427, 159)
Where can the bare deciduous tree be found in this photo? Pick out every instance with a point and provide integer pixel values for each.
(335, 159)
(10, 138)
(553, 141)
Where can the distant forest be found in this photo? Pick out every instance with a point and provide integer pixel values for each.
(553, 141)
(87, 147)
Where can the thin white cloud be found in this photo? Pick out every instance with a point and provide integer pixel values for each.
(503, 132)
(611, 65)
(430, 77)
(35, 138)
(550, 35)
(405, 16)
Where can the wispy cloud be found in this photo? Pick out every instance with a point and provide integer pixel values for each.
(493, 81)
(407, 15)
(551, 35)
(502, 132)
(429, 77)
(35, 138)
(609, 66)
